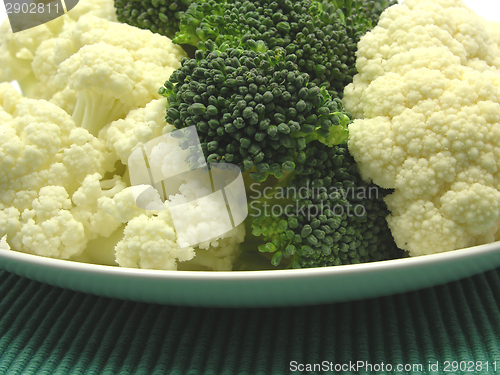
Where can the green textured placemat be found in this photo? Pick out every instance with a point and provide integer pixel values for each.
(47, 330)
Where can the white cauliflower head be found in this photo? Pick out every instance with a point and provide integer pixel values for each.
(427, 99)
(50, 176)
(17, 50)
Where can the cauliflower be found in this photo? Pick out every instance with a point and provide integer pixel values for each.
(40, 145)
(90, 99)
(198, 212)
(50, 179)
(87, 210)
(55, 202)
(17, 50)
(427, 102)
(150, 240)
(217, 254)
(112, 68)
(49, 228)
(139, 127)
(3, 243)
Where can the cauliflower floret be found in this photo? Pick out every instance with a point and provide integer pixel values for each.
(49, 229)
(41, 146)
(108, 67)
(198, 214)
(9, 99)
(121, 206)
(139, 127)
(427, 98)
(217, 254)
(97, 222)
(10, 226)
(17, 50)
(44, 160)
(151, 242)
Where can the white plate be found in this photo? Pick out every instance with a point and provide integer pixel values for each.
(261, 288)
(256, 288)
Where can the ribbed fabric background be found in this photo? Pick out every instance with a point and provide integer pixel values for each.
(47, 330)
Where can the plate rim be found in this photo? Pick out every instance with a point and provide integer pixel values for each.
(254, 289)
(375, 266)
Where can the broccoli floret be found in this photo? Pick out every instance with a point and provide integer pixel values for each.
(378, 7)
(322, 34)
(159, 16)
(323, 214)
(252, 109)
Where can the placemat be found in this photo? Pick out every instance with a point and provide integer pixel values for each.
(449, 329)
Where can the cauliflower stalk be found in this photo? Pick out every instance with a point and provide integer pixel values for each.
(112, 68)
(90, 98)
(427, 102)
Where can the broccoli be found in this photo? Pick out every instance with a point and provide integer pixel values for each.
(379, 6)
(322, 214)
(252, 109)
(159, 16)
(322, 34)
(264, 92)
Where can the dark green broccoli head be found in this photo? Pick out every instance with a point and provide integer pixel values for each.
(323, 214)
(360, 16)
(323, 35)
(159, 16)
(252, 109)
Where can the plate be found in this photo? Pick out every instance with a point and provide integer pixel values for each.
(260, 288)
(256, 288)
